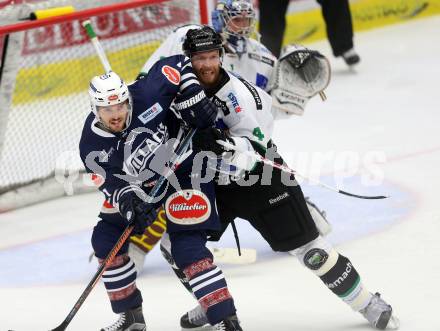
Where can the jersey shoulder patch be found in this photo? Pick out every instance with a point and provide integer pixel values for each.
(171, 74)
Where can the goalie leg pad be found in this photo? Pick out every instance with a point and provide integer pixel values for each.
(335, 270)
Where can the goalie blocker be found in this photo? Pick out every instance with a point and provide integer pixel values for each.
(299, 75)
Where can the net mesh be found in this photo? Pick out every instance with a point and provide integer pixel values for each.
(50, 100)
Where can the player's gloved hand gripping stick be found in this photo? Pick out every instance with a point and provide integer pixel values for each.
(128, 230)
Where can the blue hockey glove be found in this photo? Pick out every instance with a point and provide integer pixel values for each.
(195, 108)
(137, 212)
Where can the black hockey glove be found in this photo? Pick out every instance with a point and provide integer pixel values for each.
(206, 140)
(195, 108)
(137, 212)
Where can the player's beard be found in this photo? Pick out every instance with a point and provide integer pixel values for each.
(209, 76)
(117, 125)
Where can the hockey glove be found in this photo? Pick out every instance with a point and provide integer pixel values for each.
(137, 212)
(206, 140)
(195, 108)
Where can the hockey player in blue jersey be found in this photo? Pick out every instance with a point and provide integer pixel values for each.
(126, 142)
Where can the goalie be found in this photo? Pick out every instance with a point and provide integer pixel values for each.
(292, 80)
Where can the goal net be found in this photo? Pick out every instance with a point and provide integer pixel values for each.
(45, 70)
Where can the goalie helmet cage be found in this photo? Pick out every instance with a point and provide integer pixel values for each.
(45, 71)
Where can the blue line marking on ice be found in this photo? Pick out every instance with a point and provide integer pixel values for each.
(64, 259)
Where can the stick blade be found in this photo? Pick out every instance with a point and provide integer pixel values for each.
(230, 255)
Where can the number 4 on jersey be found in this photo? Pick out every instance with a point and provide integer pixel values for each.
(257, 133)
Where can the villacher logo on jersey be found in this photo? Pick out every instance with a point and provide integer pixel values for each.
(188, 207)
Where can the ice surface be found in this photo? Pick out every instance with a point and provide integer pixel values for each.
(388, 105)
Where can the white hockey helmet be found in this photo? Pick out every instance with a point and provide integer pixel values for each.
(226, 10)
(106, 90)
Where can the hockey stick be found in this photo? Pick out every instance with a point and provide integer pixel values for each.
(154, 192)
(95, 41)
(230, 255)
(286, 169)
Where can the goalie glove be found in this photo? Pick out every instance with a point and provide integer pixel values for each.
(300, 74)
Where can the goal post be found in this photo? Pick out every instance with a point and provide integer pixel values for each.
(45, 70)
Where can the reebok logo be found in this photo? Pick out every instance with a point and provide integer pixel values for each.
(278, 198)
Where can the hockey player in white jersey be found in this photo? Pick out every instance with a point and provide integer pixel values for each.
(278, 210)
(248, 58)
(245, 56)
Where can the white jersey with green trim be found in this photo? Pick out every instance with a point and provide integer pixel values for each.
(256, 65)
(245, 110)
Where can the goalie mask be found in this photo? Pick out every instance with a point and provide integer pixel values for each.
(108, 90)
(235, 20)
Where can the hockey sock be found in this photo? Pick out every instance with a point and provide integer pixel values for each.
(120, 281)
(209, 287)
(336, 271)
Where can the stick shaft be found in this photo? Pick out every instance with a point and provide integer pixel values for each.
(286, 169)
(95, 41)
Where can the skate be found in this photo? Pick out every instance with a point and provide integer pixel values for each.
(380, 314)
(131, 320)
(351, 57)
(230, 323)
(195, 320)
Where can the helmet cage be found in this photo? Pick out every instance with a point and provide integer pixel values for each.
(227, 11)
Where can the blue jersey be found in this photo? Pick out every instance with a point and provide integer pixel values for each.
(121, 159)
